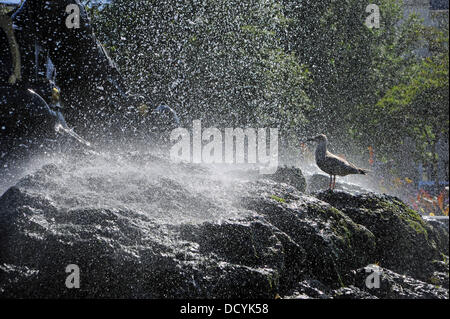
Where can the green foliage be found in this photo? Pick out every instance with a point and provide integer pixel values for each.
(216, 60)
(351, 65)
(309, 66)
(419, 105)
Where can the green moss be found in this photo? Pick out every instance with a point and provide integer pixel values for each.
(344, 232)
(278, 199)
(341, 282)
(414, 221)
(434, 280)
(444, 258)
(417, 227)
(334, 211)
(330, 211)
(272, 280)
(411, 217)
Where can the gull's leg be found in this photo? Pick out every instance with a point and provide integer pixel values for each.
(331, 181)
(334, 182)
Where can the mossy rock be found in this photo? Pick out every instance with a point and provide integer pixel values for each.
(332, 244)
(405, 243)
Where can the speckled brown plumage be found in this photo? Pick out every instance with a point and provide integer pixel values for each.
(332, 164)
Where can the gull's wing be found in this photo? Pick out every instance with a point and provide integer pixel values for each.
(340, 166)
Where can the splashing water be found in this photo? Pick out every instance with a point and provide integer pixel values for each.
(137, 182)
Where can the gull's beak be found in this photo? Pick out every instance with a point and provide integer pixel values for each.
(311, 139)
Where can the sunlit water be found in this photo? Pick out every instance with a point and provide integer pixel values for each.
(145, 181)
(137, 181)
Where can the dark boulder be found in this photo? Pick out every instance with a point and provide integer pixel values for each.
(390, 285)
(405, 243)
(139, 226)
(395, 286)
(290, 175)
(440, 232)
(332, 243)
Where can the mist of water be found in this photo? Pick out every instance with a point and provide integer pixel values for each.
(139, 180)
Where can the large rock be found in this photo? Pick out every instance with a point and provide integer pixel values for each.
(405, 243)
(389, 285)
(331, 243)
(395, 286)
(290, 175)
(139, 226)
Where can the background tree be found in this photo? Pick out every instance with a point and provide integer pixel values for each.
(304, 66)
(351, 66)
(220, 61)
(419, 105)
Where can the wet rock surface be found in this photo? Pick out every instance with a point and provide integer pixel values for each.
(290, 175)
(141, 227)
(405, 243)
(320, 182)
(396, 286)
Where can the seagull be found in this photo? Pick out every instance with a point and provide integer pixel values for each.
(332, 164)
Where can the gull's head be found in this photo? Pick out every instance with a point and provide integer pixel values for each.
(321, 138)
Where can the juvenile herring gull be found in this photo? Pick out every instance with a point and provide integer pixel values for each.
(332, 164)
